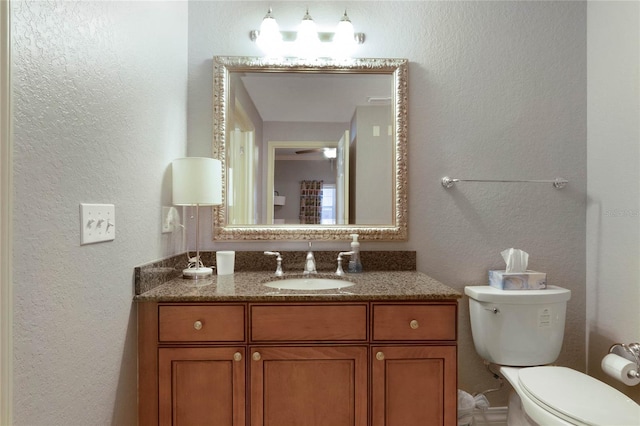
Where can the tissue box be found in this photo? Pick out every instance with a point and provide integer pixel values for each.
(529, 280)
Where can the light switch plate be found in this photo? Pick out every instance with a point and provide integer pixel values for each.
(97, 223)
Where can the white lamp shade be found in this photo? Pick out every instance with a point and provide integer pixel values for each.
(307, 40)
(344, 32)
(270, 38)
(197, 180)
(344, 42)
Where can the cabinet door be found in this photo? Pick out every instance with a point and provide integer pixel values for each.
(201, 386)
(309, 386)
(414, 385)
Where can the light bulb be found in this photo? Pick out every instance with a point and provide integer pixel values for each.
(270, 38)
(343, 40)
(307, 40)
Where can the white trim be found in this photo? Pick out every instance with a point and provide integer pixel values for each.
(6, 205)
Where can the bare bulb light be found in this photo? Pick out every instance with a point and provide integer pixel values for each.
(270, 39)
(344, 41)
(307, 41)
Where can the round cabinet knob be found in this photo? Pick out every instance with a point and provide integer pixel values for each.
(197, 325)
(237, 356)
(380, 356)
(414, 324)
(256, 356)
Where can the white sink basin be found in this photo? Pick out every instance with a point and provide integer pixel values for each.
(308, 284)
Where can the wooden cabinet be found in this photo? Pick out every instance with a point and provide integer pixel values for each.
(201, 323)
(192, 364)
(413, 385)
(308, 386)
(198, 386)
(294, 384)
(303, 364)
(309, 322)
(414, 322)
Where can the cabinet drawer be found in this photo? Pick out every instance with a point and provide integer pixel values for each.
(308, 322)
(201, 323)
(414, 322)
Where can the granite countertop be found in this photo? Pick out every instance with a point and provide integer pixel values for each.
(247, 287)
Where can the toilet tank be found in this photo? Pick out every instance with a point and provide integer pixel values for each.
(518, 327)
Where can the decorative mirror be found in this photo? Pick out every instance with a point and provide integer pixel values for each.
(311, 149)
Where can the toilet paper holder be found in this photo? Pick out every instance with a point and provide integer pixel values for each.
(629, 351)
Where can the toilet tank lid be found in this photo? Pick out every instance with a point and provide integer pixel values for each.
(485, 293)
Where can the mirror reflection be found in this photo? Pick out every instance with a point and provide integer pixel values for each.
(310, 147)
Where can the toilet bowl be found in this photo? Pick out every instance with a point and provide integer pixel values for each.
(521, 331)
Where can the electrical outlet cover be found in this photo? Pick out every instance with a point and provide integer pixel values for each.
(170, 219)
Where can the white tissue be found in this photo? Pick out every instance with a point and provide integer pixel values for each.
(516, 260)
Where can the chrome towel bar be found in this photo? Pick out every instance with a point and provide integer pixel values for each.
(558, 183)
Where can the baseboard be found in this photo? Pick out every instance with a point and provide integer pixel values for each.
(492, 416)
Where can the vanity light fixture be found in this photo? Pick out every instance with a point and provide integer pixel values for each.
(269, 38)
(344, 41)
(307, 41)
(197, 181)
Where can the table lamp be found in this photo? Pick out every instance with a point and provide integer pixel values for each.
(197, 181)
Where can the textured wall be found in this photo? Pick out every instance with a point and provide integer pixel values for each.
(100, 100)
(497, 90)
(613, 213)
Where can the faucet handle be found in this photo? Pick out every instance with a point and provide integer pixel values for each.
(340, 271)
(279, 271)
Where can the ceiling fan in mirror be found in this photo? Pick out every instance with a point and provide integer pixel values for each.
(328, 152)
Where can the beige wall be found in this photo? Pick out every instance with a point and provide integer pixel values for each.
(373, 178)
(496, 90)
(99, 113)
(613, 211)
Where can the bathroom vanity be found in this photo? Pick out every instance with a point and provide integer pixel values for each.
(234, 352)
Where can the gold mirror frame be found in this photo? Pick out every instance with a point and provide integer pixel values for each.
(398, 68)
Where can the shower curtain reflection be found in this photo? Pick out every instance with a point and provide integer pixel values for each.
(310, 201)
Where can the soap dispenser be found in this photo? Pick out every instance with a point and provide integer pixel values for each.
(354, 261)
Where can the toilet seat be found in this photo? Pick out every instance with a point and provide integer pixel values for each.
(577, 398)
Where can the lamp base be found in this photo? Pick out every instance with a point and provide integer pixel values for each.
(196, 273)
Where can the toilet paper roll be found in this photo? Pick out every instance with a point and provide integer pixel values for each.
(619, 368)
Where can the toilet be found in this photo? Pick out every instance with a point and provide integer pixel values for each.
(521, 331)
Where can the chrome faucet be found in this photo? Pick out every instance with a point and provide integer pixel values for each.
(340, 271)
(279, 272)
(310, 263)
